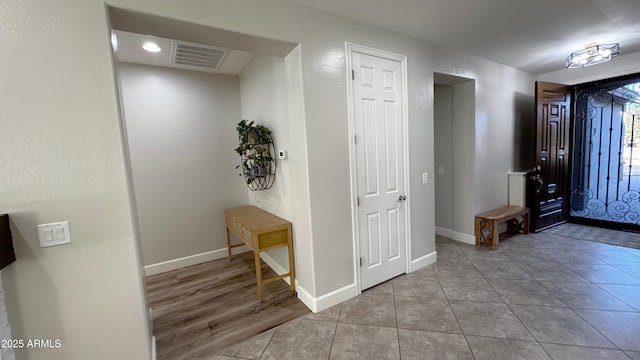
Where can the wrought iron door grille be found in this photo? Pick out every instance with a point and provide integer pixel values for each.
(606, 161)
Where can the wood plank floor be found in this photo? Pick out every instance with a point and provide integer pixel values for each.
(202, 309)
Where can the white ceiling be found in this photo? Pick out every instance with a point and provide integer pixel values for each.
(130, 50)
(533, 35)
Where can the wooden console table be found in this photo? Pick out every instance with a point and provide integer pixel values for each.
(260, 231)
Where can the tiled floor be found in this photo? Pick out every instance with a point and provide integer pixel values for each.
(540, 296)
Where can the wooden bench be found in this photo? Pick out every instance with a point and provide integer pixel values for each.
(489, 221)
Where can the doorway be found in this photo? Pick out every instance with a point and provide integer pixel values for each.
(605, 181)
(454, 150)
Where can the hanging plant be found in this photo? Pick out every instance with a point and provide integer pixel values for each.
(256, 149)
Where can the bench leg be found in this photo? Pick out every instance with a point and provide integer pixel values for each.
(495, 235)
(517, 226)
(481, 226)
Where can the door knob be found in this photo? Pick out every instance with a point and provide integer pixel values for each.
(537, 178)
(402, 198)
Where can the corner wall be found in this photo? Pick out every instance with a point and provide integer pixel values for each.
(464, 166)
(443, 153)
(181, 136)
(271, 94)
(62, 159)
(454, 126)
(264, 100)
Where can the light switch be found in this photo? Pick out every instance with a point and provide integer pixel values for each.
(440, 170)
(60, 234)
(54, 234)
(425, 178)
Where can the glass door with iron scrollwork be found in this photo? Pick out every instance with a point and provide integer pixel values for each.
(605, 177)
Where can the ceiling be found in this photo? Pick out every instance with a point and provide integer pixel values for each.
(133, 29)
(533, 35)
(130, 50)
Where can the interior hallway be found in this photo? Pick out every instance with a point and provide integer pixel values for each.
(539, 296)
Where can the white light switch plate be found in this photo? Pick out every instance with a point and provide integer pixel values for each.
(425, 178)
(54, 234)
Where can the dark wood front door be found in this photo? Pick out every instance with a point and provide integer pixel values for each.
(549, 181)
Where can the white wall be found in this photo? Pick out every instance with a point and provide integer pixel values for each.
(181, 132)
(454, 118)
(264, 100)
(298, 161)
(443, 153)
(6, 352)
(61, 158)
(464, 166)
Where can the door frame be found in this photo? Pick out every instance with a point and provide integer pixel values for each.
(350, 48)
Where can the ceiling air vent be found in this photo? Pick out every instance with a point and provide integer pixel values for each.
(197, 55)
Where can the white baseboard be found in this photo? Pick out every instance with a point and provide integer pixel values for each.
(330, 299)
(154, 352)
(444, 232)
(314, 304)
(458, 236)
(423, 261)
(465, 238)
(306, 298)
(169, 265)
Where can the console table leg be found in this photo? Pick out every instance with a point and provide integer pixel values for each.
(256, 255)
(292, 267)
(228, 242)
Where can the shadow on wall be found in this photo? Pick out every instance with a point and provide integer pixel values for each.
(523, 132)
(272, 199)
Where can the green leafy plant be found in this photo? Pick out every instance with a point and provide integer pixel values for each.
(254, 148)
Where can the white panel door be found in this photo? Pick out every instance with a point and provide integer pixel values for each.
(377, 91)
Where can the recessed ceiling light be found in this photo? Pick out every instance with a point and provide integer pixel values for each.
(151, 47)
